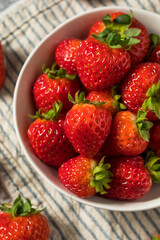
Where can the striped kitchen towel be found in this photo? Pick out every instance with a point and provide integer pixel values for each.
(22, 26)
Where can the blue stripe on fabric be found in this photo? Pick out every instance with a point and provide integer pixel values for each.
(141, 4)
(8, 90)
(107, 220)
(151, 221)
(96, 223)
(28, 187)
(131, 227)
(153, 6)
(141, 224)
(70, 6)
(38, 180)
(53, 13)
(91, 3)
(81, 5)
(45, 15)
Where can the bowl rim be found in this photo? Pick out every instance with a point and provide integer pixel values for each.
(136, 207)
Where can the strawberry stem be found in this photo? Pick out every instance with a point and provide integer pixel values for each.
(153, 166)
(51, 114)
(55, 72)
(143, 125)
(117, 33)
(80, 99)
(154, 40)
(101, 177)
(20, 208)
(153, 101)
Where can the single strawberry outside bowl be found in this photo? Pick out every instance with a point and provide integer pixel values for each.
(43, 54)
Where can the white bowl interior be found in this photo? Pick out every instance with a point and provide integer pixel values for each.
(76, 27)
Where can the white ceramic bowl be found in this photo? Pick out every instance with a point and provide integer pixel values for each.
(43, 53)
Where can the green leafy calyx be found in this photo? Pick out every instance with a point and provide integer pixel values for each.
(54, 72)
(153, 166)
(152, 103)
(101, 177)
(51, 114)
(143, 125)
(80, 99)
(155, 238)
(117, 33)
(117, 99)
(20, 208)
(154, 41)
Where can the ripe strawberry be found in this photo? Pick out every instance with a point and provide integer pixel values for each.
(84, 177)
(142, 86)
(141, 43)
(87, 125)
(54, 85)
(48, 139)
(156, 238)
(155, 138)
(100, 66)
(66, 54)
(110, 97)
(22, 222)
(131, 178)
(2, 68)
(129, 134)
(154, 50)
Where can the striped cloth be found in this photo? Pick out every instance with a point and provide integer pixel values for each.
(21, 28)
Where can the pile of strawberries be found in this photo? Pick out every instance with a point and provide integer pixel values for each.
(98, 110)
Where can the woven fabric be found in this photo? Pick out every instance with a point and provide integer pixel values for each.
(22, 26)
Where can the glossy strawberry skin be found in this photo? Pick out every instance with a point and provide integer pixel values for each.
(76, 174)
(33, 227)
(99, 66)
(87, 127)
(130, 180)
(103, 96)
(50, 142)
(47, 91)
(137, 52)
(155, 55)
(136, 85)
(124, 138)
(155, 138)
(66, 54)
(2, 67)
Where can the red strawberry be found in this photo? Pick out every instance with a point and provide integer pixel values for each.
(154, 50)
(22, 222)
(66, 54)
(143, 84)
(131, 179)
(48, 139)
(156, 238)
(100, 66)
(52, 86)
(2, 68)
(108, 96)
(129, 134)
(155, 54)
(84, 177)
(87, 125)
(139, 50)
(155, 138)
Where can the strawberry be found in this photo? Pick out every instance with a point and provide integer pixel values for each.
(128, 27)
(141, 89)
(154, 49)
(155, 138)
(66, 54)
(155, 54)
(87, 125)
(84, 177)
(129, 134)
(22, 222)
(48, 139)
(110, 97)
(54, 85)
(156, 238)
(100, 66)
(2, 68)
(131, 178)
